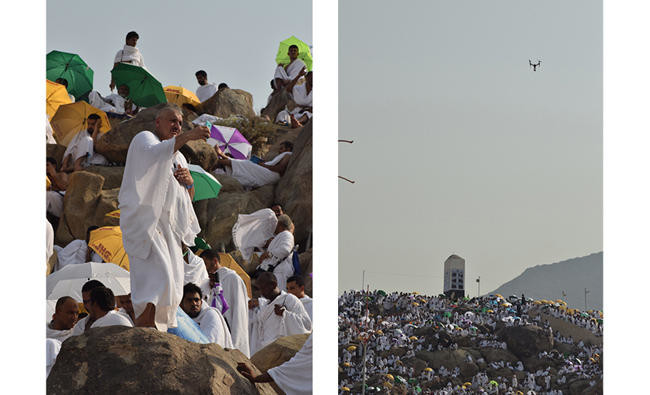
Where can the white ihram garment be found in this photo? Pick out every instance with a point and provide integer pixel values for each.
(130, 55)
(266, 326)
(252, 175)
(308, 303)
(95, 99)
(290, 72)
(204, 92)
(82, 145)
(156, 216)
(196, 273)
(112, 318)
(280, 249)
(253, 230)
(302, 99)
(236, 295)
(214, 327)
(294, 377)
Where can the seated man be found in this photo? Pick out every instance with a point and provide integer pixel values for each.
(80, 153)
(301, 112)
(129, 54)
(59, 183)
(117, 103)
(235, 294)
(284, 74)
(83, 324)
(296, 287)
(255, 175)
(63, 320)
(278, 256)
(275, 314)
(206, 89)
(102, 305)
(210, 320)
(77, 251)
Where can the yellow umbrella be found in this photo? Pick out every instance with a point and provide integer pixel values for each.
(179, 96)
(390, 376)
(413, 338)
(490, 311)
(467, 383)
(107, 242)
(55, 95)
(352, 348)
(346, 364)
(48, 183)
(113, 214)
(416, 304)
(380, 332)
(227, 261)
(71, 119)
(498, 296)
(428, 370)
(346, 389)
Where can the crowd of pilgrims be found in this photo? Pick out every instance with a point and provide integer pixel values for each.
(387, 323)
(213, 295)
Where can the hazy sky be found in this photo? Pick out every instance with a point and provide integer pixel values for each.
(460, 148)
(234, 42)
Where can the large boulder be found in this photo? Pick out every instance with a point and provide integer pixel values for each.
(55, 151)
(278, 352)
(526, 341)
(277, 103)
(121, 360)
(85, 204)
(200, 153)
(294, 190)
(449, 359)
(112, 175)
(227, 102)
(217, 216)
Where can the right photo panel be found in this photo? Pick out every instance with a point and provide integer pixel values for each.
(470, 197)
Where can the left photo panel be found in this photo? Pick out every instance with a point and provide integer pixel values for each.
(179, 197)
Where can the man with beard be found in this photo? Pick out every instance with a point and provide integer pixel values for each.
(79, 154)
(210, 320)
(206, 89)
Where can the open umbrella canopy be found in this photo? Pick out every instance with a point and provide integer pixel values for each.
(107, 243)
(226, 260)
(73, 277)
(73, 69)
(70, 119)
(113, 214)
(230, 141)
(205, 185)
(144, 88)
(55, 96)
(304, 53)
(179, 96)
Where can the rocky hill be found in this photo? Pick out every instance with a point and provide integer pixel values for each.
(571, 276)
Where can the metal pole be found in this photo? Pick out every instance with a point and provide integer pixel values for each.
(363, 384)
(478, 282)
(363, 281)
(586, 292)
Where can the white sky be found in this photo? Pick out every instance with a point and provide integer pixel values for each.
(460, 148)
(224, 38)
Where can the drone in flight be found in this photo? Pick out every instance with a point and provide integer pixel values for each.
(535, 65)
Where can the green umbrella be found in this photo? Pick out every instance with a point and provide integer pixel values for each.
(144, 89)
(304, 53)
(205, 185)
(73, 69)
(381, 292)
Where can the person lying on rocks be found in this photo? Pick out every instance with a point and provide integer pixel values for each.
(58, 185)
(285, 74)
(84, 323)
(102, 305)
(125, 306)
(301, 106)
(294, 376)
(206, 89)
(129, 54)
(254, 175)
(296, 287)
(278, 255)
(210, 320)
(236, 296)
(80, 154)
(77, 251)
(275, 314)
(63, 320)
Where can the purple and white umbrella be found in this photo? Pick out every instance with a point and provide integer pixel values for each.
(230, 141)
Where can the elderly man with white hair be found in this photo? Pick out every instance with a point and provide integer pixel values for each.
(157, 217)
(278, 256)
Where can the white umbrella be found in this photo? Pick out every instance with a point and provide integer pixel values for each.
(72, 287)
(104, 272)
(50, 307)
